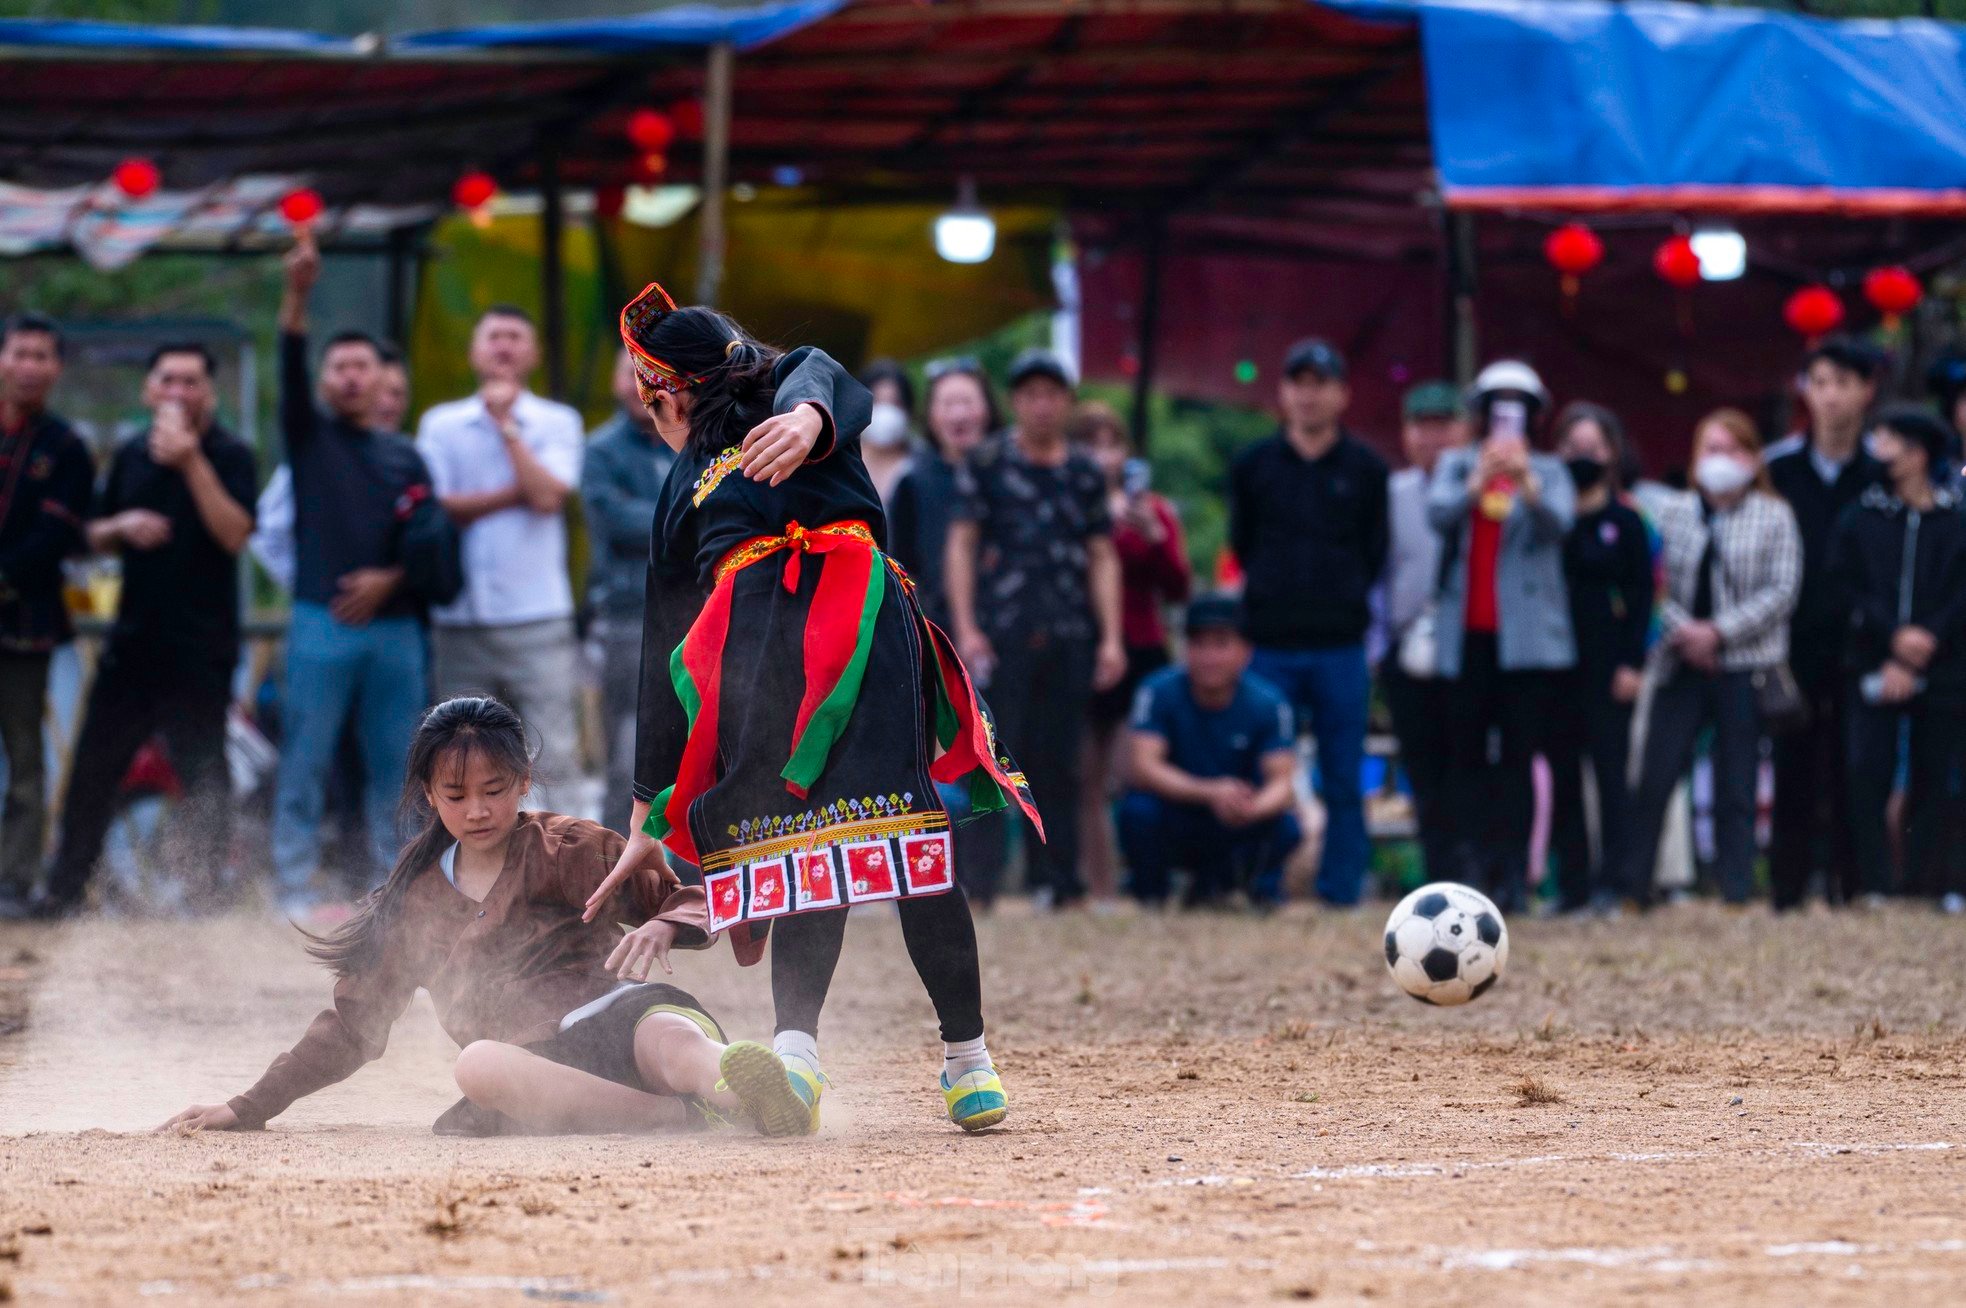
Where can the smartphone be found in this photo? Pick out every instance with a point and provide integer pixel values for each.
(1136, 476)
(1508, 418)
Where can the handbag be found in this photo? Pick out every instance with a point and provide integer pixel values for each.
(429, 548)
(1779, 700)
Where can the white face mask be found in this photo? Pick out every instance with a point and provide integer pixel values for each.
(888, 427)
(1718, 474)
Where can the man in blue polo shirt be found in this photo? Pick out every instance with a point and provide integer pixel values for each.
(1212, 751)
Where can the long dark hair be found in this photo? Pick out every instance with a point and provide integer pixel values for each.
(734, 388)
(447, 737)
(1619, 470)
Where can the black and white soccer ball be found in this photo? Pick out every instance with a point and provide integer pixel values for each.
(1446, 943)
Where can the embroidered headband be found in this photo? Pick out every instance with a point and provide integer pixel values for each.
(651, 374)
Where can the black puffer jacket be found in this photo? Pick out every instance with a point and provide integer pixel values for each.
(1868, 573)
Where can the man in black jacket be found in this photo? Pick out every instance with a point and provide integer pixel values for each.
(176, 507)
(1308, 522)
(45, 478)
(1897, 570)
(1821, 472)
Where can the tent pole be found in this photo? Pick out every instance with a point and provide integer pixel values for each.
(716, 172)
(552, 280)
(1463, 349)
(1149, 330)
(394, 313)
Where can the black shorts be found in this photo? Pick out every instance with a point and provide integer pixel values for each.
(604, 1044)
(1110, 707)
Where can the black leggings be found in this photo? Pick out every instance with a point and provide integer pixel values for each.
(941, 941)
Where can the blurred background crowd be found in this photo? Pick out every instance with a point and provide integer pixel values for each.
(1343, 465)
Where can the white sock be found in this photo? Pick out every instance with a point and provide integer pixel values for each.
(964, 1056)
(797, 1044)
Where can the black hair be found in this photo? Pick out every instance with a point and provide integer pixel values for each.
(353, 336)
(39, 324)
(733, 387)
(1946, 378)
(391, 353)
(881, 370)
(1923, 428)
(943, 369)
(1847, 353)
(198, 348)
(1607, 422)
(508, 311)
(449, 734)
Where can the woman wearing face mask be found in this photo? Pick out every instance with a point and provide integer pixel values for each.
(1608, 567)
(1733, 568)
(887, 446)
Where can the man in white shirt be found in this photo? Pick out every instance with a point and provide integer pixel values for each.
(503, 462)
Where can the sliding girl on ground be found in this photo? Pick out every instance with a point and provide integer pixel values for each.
(796, 707)
(485, 910)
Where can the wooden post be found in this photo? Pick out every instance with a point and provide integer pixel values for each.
(1463, 350)
(552, 275)
(1147, 330)
(716, 172)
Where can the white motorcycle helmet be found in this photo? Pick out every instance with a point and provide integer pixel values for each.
(1507, 377)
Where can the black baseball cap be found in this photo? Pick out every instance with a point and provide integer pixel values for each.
(1214, 613)
(1037, 362)
(1315, 355)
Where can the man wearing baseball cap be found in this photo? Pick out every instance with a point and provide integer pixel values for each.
(1434, 420)
(1212, 748)
(1308, 523)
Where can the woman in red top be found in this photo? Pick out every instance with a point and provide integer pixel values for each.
(1154, 573)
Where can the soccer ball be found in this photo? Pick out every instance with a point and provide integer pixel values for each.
(1446, 943)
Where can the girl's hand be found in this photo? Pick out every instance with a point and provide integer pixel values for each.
(202, 1117)
(641, 851)
(778, 445)
(647, 943)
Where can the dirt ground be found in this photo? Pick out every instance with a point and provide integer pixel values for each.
(1696, 1107)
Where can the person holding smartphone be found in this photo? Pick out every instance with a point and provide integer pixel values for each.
(1503, 625)
(1154, 573)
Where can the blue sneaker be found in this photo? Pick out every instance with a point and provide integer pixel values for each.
(976, 1099)
(780, 1096)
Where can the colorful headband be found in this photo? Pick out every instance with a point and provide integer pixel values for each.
(645, 310)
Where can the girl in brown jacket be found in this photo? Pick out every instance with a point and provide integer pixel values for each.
(561, 1030)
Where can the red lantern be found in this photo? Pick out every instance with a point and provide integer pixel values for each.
(1676, 263)
(1813, 311)
(474, 189)
(136, 178)
(650, 130)
(1893, 292)
(302, 206)
(1573, 250)
(688, 118)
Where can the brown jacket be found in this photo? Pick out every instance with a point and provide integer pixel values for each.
(508, 968)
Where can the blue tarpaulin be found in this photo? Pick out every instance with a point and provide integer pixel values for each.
(679, 25)
(1591, 105)
(57, 33)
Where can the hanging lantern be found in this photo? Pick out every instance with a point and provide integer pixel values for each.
(1572, 250)
(302, 206)
(650, 130)
(650, 167)
(1676, 262)
(687, 115)
(474, 189)
(136, 178)
(1893, 292)
(1813, 311)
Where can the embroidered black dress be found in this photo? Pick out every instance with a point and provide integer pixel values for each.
(796, 707)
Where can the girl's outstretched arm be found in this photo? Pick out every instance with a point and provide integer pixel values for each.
(354, 1031)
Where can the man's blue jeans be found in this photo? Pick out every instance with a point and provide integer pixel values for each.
(377, 672)
(1158, 836)
(1329, 689)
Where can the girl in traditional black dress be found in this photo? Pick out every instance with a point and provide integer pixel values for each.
(796, 707)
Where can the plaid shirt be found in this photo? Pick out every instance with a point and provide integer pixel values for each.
(1756, 577)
